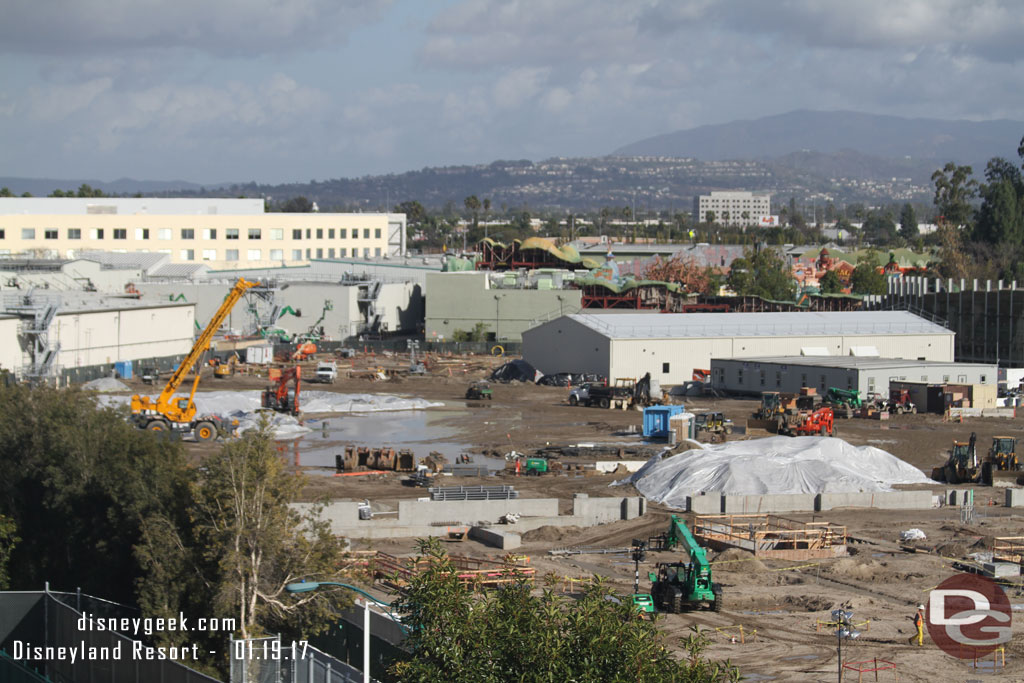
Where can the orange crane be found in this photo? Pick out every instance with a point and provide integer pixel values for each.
(168, 412)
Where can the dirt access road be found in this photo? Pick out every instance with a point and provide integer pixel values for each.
(781, 601)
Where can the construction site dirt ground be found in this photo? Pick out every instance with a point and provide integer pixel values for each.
(778, 603)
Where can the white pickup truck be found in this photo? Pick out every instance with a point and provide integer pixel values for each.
(326, 372)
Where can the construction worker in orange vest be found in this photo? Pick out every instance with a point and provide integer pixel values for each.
(919, 625)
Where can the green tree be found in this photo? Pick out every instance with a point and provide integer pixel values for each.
(867, 280)
(473, 206)
(297, 205)
(954, 190)
(1001, 217)
(257, 543)
(513, 635)
(908, 222)
(8, 539)
(84, 470)
(830, 283)
(6, 192)
(414, 212)
(880, 228)
(762, 273)
(709, 216)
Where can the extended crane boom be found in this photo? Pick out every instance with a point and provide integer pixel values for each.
(682, 585)
(167, 412)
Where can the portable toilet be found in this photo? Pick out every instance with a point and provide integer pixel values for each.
(656, 420)
(123, 368)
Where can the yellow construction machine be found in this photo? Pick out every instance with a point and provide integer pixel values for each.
(168, 412)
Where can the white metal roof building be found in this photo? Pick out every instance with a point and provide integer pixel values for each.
(672, 346)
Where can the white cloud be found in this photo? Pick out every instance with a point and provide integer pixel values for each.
(219, 27)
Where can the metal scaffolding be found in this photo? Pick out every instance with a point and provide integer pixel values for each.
(36, 311)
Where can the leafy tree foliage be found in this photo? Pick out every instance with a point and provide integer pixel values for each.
(830, 283)
(762, 273)
(478, 333)
(8, 539)
(414, 212)
(85, 471)
(254, 543)
(102, 505)
(297, 205)
(908, 222)
(954, 190)
(880, 228)
(513, 635)
(866, 279)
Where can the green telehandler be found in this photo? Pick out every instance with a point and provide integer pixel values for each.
(678, 586)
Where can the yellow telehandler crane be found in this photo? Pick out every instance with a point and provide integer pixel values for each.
(168, 412)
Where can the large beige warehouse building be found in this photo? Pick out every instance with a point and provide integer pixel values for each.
(672, 346)
(221, 233)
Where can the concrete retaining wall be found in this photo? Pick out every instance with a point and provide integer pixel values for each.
(716, 503)
(422, 518)
(708, 504)
(769, 502)
(592, 511)
(473, 511)
(892, 500)
(1014, 498)
(505, 540)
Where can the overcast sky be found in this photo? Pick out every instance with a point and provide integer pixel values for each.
(293, 90)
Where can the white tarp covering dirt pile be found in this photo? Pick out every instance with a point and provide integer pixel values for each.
(779, 464)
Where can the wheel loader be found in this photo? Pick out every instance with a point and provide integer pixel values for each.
(999, 465)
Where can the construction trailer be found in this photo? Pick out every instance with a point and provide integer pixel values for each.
(867, 375)
(771, 537)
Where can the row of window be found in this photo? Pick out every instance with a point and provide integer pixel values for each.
(207, 233)
(823, 385)
(275, 254)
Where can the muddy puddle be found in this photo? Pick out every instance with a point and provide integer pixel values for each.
(420, 431)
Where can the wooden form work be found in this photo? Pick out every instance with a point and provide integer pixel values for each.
(770, 536)
(397, 572)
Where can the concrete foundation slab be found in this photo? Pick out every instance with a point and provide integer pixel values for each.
(505, 540)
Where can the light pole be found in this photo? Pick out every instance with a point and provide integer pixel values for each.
(497, 315)
(307, 586)
(844, 629)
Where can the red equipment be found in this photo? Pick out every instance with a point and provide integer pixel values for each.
(278, 396)
(304, 351)
(819, 421)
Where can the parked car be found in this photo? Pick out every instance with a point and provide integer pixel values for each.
(565, 379)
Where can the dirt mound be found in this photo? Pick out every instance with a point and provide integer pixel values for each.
(809, 603)
(552, 533)
(849, 568)
(738, 561)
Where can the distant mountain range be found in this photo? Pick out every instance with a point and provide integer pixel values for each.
(840, 156)
(831, 132)
(40, 187)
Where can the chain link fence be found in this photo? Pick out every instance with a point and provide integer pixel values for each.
(271, 660)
